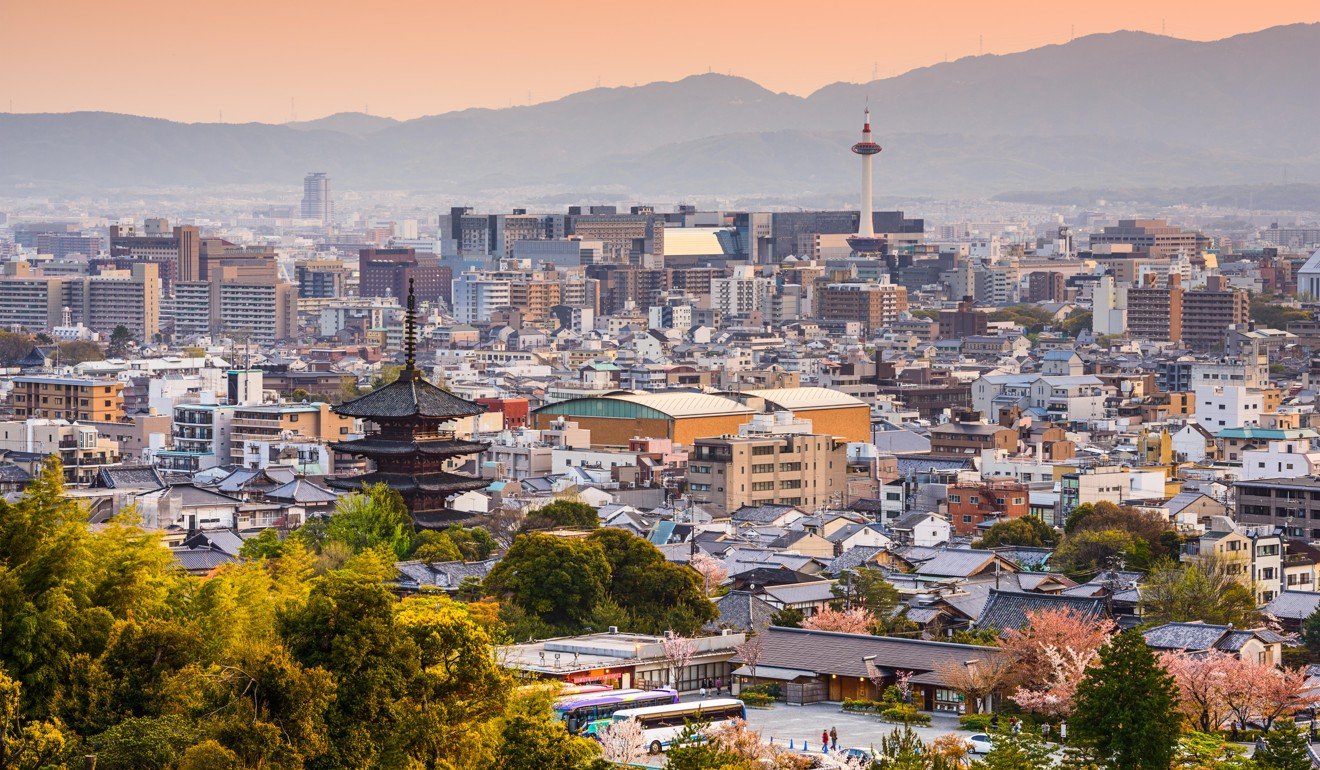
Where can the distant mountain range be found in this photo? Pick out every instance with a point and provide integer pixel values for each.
(1122, 110)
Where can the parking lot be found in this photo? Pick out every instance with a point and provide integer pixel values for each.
(783, 723)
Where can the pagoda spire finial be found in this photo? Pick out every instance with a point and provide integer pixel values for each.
(410, 335)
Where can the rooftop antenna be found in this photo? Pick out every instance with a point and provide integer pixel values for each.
(293, 112)
(1072, 32)
(875, 70)
(980, 44)
(1161, 26)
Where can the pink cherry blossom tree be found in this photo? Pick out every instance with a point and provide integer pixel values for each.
(750, 652)
(678, 652)
(1049, 655)
(1204, 682)
(622, 742)
(854, 621)
(712, 571)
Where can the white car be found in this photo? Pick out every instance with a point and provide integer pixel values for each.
(980, 743)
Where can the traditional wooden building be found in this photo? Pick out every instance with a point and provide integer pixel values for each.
(411, 439)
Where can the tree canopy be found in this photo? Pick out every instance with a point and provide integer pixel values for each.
(1126, 707)
(287, 660)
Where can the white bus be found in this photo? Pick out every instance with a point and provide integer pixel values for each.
(662, 724)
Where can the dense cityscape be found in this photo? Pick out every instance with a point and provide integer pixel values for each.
(325, 475)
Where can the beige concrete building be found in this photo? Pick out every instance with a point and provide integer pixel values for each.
(801, 469)
(68, 398)
(81, 448)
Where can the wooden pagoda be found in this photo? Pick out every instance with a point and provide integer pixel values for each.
(410, 440)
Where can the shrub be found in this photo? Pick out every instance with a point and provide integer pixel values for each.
(862, 704)
(905, 713)
(892, 695)
(756, 699)
(773, 690)
(975, 722)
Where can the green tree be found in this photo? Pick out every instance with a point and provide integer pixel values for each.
(1077, 322)
(373, 518)
(558, 580)
(120, 339)
(1283, 748)
(14, 346)
(565, 514)
(209, 755)
(266, 545)
(435, 546)
(659, 594)
(1311, 633)
(347, 628)
(145, 743)
(868, 588)
(690, 751)
(1023, 750)
(1199, 590)
(1027, 531)
(789, 617)
(531, 738)
(76, 352)
(457, 687)
(1088, 551)
(1126, 707)
(1270, 312)
(25, 745)
(901, 749)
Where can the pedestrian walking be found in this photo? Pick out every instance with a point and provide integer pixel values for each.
(834, 738)
(825, 740)
(719, 685)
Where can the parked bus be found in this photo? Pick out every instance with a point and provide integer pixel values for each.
(579, 711)
(662, 724)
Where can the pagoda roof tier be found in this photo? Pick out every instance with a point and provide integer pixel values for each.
(405, 483)
(377, 446)
(409, 396)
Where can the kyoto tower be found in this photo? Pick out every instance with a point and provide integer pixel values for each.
(865, 241)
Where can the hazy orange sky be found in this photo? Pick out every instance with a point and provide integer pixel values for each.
(247, 59)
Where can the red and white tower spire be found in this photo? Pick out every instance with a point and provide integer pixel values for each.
(865, 226)
(866, 148)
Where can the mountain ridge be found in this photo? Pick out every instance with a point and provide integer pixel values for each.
(1110, 110)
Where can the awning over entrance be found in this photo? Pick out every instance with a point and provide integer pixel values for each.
(773, 672)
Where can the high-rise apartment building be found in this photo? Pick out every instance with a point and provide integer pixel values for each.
(386, 273)
(101, 302)
(1045, 286)
(64, 245)
(1156, 312)
(1207, 315)
(322, 278)
(257, 311)
(316, 201)
(874, 304)
(963, 321)
(177, 251)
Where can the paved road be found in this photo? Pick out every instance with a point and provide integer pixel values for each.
(799, 723)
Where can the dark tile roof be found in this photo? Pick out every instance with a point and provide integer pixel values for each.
(1008, 609)
(1194, 637)
(120, 476)
(12, 474)
(828, 652)
(200, 560)
(448, 574)
(1293, 605)
(301, 491)
(760, 514)
(742, 610)
(772, 576)
(409, 397)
